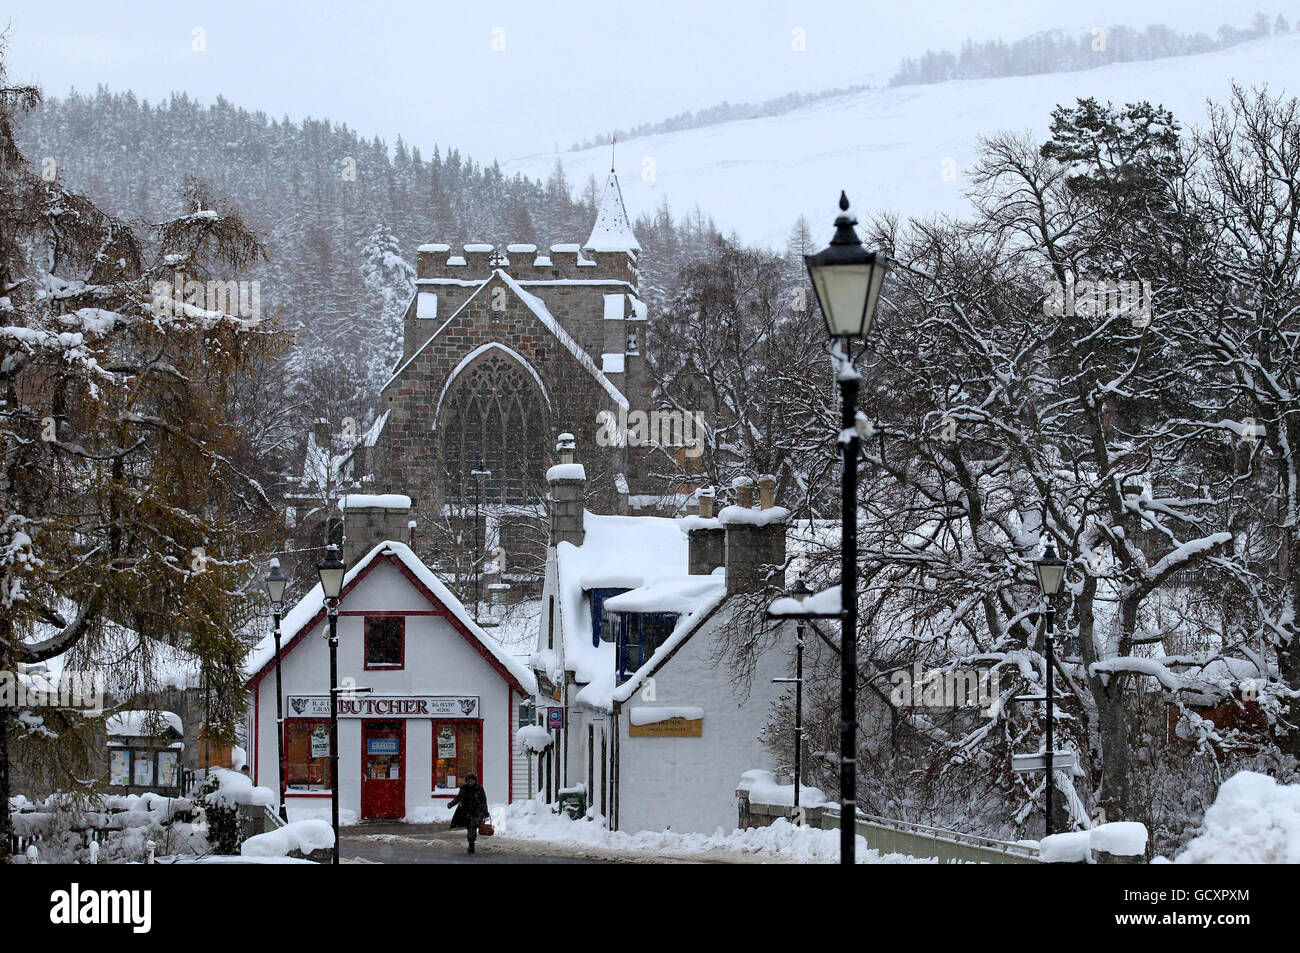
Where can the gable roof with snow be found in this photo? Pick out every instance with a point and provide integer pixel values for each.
(539, 310)
(613, 229)
(310, 612)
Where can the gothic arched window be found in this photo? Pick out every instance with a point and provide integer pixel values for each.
(493, 419)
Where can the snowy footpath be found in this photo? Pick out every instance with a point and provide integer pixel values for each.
(782, 843)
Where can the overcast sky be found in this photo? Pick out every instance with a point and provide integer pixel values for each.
(435, 71)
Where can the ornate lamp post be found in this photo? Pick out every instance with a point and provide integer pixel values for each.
(847, 280)
(275, 583)
(1050, 572)
(331, 571)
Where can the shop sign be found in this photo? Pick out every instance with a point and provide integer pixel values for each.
(387, 706)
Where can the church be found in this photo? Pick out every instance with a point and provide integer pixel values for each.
(506, 348)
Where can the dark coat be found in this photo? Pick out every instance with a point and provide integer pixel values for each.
(471, 806)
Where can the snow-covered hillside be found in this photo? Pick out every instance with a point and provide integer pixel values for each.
(903, 149)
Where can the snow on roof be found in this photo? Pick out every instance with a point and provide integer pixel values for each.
(371, 436)
(613, 229)
(143, 723)
(311, 604)
(680, 594)
(434, 247)
(538, 307)
(456, 260)
(618, 552)
(478, 247)
(614, 309)
(386, 501)
(521, 248)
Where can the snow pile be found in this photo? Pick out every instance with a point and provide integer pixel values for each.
(653, 716)
(302, 836)
(1253, 820)
(236, 788)
(782, 842)
(736, 515)
(534, 738)
(762, 789)
(679, 594)
(386, 501)
(820, 603)
(1121, 838)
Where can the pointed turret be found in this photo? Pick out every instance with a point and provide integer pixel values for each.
(613, 229)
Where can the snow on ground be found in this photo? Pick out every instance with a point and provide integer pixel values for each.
(904, 148)
(303, 836)
(780, 843)
(1253, 820)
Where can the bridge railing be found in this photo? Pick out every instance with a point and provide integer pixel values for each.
(890, 836)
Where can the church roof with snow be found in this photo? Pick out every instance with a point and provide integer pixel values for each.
(613, 229)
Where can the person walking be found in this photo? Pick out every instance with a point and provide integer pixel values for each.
(471, 807)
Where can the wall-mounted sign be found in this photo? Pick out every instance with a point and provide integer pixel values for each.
(386, 706)
(382, 746)
(668, 728)
(555, 718)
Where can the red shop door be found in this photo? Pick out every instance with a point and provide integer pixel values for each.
(383, 769)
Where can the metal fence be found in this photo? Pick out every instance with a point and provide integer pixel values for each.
(889, 836)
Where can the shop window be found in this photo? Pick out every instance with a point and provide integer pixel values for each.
(457, 751)
(307, 755)
(385, 642)
(640, 634)
(603, 626)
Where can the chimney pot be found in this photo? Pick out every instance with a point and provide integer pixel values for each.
(767, 491)
(744, 487)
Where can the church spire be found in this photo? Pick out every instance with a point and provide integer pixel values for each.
(613, 229)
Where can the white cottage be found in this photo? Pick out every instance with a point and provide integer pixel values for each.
(649, 722)
(436, 699)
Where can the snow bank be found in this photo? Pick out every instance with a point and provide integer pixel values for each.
(763, 789)
(782, 842)
(1253, 820)
(303, 836)
(236, 788)
(1121, 838)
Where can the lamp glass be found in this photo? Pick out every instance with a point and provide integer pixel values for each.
(331, 571)
(275, 583)
(843, 291)
(1050, 571)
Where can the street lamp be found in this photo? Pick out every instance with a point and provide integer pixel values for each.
(332, 570)
(275, 583)
(1050, 572)
(478, 556)
(847, 280)
(798, 592)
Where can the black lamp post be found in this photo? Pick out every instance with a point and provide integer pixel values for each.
(1050, 572)
(275, 583)
(331, 571)
(847, 280)
(798, 592)
(478, 545)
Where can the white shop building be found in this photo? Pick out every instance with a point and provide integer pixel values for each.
(443, 697)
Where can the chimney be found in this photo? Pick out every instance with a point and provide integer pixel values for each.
(767, 491)
(706, 540)
(755, 542)
(370, 519)
(568, 483)
(410, 527)
(321, 432)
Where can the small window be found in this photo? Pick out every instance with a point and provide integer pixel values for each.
(603, 626)
(385, 642)
(639, 635)
(306, 755)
